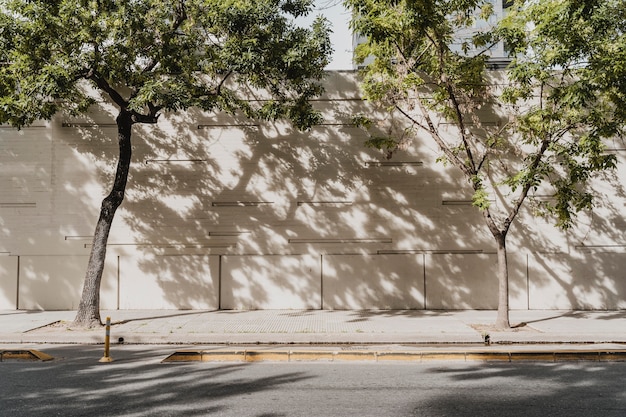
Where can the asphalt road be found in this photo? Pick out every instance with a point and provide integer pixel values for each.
(138, 384)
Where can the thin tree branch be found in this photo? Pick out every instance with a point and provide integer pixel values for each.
(461, 122)
(522, 196)
(440, 142)
(490, 148)
(413, 120)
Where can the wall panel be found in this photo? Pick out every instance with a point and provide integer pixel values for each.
(169, 282)
(469, 281)
(271, 282)
(8, 282)
(590, 281)
(373, 282)
(55, 282)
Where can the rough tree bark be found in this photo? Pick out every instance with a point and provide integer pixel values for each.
(88, 314)
(502, 319)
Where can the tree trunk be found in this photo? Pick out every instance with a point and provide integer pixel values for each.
(88, 314)
(502, 320)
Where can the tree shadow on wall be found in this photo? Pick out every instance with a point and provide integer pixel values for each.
(226, 212)
(51, 166)
(270, 199)
(581, 268)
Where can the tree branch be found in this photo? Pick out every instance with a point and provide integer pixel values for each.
(219, 87)
(413, 120)
(440, 142)
(490, 148)
(461, 123)
(144, 118)
(106, 87)
(520, 199)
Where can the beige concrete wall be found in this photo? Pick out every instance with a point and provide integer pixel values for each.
(55, 283)
(271, 282)
(8, 282)
(577, 281)
(469, 281)
(274, 202)
(373, 282)
(169, 282)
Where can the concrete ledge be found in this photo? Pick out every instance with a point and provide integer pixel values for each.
(257, 356)
(220, 355)
(576, 356)
(284, 355)
(311, 355)
(488, 356)
(543, 356)
(398, 356)
(441, 356)
(19, 354)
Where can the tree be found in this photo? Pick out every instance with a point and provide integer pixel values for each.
(150, 57)
(559, 103)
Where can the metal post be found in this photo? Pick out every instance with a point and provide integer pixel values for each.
(107, 343)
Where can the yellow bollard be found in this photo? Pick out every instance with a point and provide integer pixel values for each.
(107, 343)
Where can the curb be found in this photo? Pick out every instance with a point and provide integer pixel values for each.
(252, 355)
(23, 354)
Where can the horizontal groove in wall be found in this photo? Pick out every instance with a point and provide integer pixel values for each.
(431, 251)
(337, 99)
(227, 233)
(85, 124)
(18, 205)
(78, 237)
(322, 240)
(240, 203)
(171, 245)
(173, 161)
(340, 124)
(227, 125)
(24, 127)
(456, 202)
(371, 164)
(601, 248)
(472, 124)
(543, 197)
(317, 100)
(324, 203)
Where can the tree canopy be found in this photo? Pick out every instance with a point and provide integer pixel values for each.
(156, 55)
(538, 127)
(570, 54)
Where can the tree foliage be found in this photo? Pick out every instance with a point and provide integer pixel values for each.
(155, 56)
(559, 101)
(159, 55)
(569, 53)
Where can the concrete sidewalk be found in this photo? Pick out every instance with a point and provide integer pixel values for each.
(315, 327)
